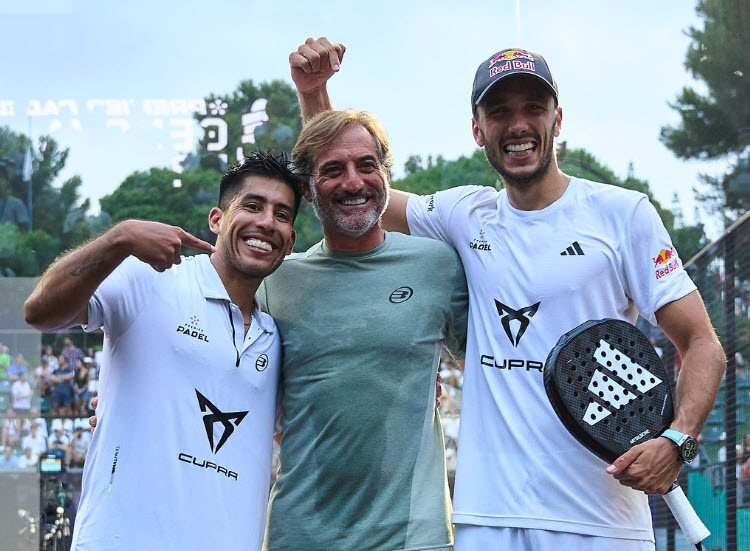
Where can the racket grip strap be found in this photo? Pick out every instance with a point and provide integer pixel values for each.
(692, 528)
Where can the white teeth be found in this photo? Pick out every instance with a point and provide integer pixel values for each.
(519, 147)
(357, 201)
(258, 244)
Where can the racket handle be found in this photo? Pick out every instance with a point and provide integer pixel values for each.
(692, 528)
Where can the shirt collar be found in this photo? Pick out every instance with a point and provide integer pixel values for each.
(213, 289)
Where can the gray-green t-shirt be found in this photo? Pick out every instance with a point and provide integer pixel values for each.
(362, 461)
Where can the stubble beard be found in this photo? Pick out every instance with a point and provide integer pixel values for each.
(355, 226)
(523, 181)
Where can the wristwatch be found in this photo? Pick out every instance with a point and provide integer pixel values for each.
(687, 446)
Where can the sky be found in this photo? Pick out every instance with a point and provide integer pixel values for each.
(617, 65)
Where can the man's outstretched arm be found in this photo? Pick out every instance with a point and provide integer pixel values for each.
(61, 298)
(312, 64)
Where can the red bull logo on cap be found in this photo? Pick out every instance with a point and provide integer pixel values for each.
(510, 55)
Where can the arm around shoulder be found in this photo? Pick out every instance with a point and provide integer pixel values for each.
(394, 217)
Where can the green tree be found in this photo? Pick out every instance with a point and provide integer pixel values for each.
(29, 253)
(279, 132)
(151, 194)
(717, 124)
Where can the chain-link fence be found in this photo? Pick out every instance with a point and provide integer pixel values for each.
(718, 483)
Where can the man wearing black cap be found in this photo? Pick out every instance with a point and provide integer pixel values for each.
(543, 255)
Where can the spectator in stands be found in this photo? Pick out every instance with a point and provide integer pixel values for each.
(29, 460)
(8, 461)
(21, 392)
(17, 367)
(11, 431)
(62, 379)
(58, 441)
(79, 446)
(81, 387)
(35, 440)
(71, 352)
(43, 376)
(4, 362)
(51, 358)
(34, 418)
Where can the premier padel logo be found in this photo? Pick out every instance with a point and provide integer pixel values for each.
(228, 420)
(480, 244)
(618, 365)
(191, 329)
(522, 316)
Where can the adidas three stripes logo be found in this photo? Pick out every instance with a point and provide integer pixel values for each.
(574, 250)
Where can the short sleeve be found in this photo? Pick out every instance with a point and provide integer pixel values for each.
(120, 298)
(436, 215)
(653, 271)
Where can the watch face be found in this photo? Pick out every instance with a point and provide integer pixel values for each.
(689, 449)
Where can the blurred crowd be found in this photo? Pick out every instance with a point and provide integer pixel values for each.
(46, 407)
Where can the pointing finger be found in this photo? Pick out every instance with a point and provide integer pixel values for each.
(189, 240)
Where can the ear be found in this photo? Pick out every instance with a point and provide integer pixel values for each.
(477, 132)
(558, 121)
(305, 185)
(214, 220)
(291, 242)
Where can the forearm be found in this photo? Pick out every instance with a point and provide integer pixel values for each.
(312, 103)
(61, 297)
(703, 367)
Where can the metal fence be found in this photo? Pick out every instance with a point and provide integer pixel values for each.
(719, 486)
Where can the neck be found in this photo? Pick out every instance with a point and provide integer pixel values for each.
(347, 243)
(538, 194)
(240, 288)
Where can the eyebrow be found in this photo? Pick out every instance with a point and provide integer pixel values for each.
(335, 162)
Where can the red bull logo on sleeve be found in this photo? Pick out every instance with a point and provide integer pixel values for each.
(665, 262)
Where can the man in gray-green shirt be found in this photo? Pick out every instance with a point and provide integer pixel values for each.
(362, 317)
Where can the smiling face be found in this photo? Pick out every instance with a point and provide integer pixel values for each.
(516, 123)
(351, 186)
(256, 229)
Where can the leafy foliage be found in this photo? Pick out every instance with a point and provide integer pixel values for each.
(29, 253)
(717, 124)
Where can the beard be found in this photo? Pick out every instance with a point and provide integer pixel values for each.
(523, 180)
(351, 224)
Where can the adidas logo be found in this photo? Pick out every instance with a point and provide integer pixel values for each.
(574, 250)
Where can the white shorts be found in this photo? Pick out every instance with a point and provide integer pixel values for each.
(469, 537)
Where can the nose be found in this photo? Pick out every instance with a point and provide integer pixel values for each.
(265, 219)
(352, 179)
(518, 123)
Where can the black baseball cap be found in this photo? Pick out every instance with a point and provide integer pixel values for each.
(511, 61)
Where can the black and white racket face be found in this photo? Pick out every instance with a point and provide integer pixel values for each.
(608, 387)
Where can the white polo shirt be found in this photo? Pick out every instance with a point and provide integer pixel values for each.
(181, 457)
(597, 252)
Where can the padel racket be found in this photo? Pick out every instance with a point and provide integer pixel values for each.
(608, 387)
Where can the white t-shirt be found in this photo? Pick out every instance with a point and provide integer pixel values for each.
(181, 456)
(28, 462)
(37, 444)
(21, 389)
(597, 252)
